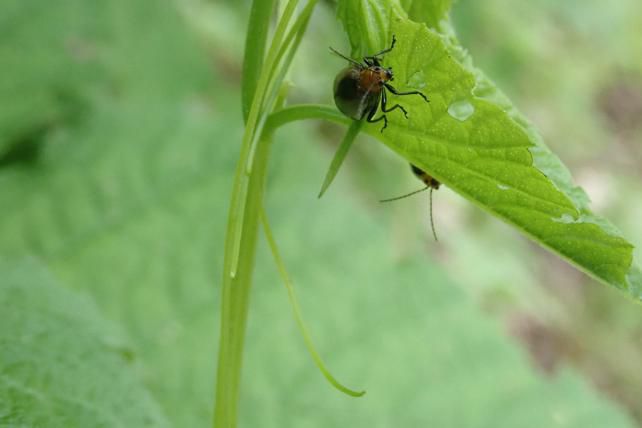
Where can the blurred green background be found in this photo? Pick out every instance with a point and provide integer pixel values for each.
(119, 130)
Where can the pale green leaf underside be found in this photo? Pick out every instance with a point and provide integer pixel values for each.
(431, 12)
(61, 365)
(479, 148)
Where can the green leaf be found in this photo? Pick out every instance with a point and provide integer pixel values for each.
(470, 138)
(431, 12)
(39, 91)
(61, 365)
(367, 23)
(340, 155)
(115, 193)
(129, 206)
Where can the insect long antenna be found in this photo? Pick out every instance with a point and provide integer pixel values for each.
(336, 52)
(407, 194)
(432, 224)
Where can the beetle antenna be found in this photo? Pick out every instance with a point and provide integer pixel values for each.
(432, 224)
(406, 195)
(336, 52)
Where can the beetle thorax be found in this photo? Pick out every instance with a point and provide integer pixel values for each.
(372, 79)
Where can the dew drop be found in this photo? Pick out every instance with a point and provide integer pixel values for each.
(565, 218)
(233, 274)
(417, 80)
(461, 110)
(502, 186)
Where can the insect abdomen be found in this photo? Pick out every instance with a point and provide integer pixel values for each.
(349, 96)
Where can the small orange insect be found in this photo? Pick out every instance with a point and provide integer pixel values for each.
(430, 182)
(362, 86)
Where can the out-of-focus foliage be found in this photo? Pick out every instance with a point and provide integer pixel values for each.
(126, 201)
(124, 194)
(61, 365)
(572, 68)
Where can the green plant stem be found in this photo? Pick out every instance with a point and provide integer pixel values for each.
(253, 130)
(235, 301)
(236, 290)
(305, 112)
(255, 42)
(241, 233)
(240, 240)
(292, 41)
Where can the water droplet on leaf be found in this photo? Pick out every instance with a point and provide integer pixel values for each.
(565, 218)
(417, 80)
(461, 110)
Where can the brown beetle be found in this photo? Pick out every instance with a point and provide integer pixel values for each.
(360, 88)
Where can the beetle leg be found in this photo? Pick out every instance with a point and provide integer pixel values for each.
(394, 91)
(385, 51)
(371, 61)
(374, 58)
(383, 117)
(385, 109)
